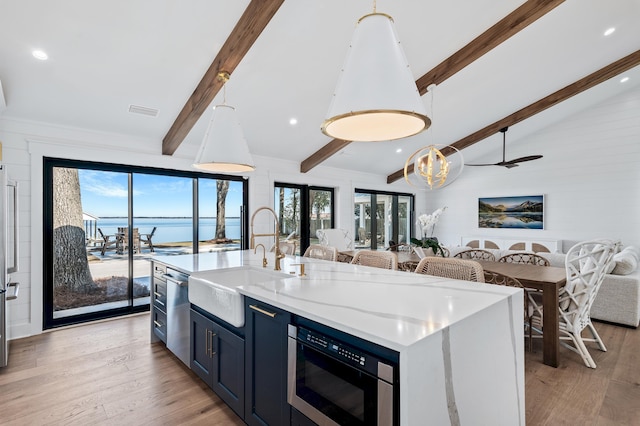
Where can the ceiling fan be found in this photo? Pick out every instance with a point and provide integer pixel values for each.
(511, 163)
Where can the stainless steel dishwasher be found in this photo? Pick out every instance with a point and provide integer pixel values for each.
(178, 314)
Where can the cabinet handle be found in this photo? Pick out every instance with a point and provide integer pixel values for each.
(158, 295)
(262, 311)
(159, 325)
(206, 341)
(211, 335)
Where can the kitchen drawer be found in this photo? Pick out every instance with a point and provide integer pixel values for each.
(160, 324)
(159, 294)
(159, 270)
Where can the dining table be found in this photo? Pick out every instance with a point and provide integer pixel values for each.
(549, 280)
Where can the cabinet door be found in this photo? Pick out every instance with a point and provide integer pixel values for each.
(228, 368)
(266, 364)
(201, 344)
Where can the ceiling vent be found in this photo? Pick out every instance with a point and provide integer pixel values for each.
(137, 109)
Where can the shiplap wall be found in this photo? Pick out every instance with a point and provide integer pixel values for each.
(590, 177)
(25, 144)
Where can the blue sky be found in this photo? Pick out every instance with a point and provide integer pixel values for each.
(512, 201)
(104, 194)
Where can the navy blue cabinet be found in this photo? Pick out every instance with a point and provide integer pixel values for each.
(266, 364)
(217, 357)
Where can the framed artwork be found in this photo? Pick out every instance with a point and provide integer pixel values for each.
(511, 212)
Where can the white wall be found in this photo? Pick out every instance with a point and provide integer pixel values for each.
(590, 177)
(25, 144)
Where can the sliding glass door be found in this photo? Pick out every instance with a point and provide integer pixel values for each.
(382, 219)
(104, 223)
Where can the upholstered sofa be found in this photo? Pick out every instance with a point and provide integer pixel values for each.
(618, 300)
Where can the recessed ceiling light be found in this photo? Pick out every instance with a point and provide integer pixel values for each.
(624, 79)
(39, 54)
(293, 121)
(399, 150)
(609, 31)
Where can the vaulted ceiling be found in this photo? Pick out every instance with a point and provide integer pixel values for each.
(494, 63)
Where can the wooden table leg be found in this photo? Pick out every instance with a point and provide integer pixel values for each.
(550, 336)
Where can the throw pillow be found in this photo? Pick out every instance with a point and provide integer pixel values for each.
(625, 262)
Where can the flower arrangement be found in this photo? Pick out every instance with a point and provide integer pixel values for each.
(427, 223)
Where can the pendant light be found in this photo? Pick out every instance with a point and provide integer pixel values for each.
(376, 98)
(436, 166)
(224, 148)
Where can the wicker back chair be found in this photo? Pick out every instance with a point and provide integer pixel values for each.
(500, 279)
(317, 251)
(586, 264)
(457, 269)
(400, 247)
(476, 254)
(286, 247)
(377, 259)
(529, 258)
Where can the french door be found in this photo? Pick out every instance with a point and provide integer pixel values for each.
(103, 223)
(302, 210)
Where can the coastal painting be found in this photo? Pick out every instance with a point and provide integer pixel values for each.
(511, 212)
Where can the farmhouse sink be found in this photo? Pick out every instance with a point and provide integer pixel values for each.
(215, 291)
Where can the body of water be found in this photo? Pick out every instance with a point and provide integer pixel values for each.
(511, 220)
(171, 230)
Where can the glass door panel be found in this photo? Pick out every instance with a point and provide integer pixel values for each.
(320, 212)
(90, 274)
(405, 208)
(288, 209)
(219, 215)
(362, 214)
(162, 225)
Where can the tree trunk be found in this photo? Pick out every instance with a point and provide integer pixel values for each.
(222, 187)
(70, 263)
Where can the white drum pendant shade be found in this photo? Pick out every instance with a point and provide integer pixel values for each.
(376, 98)
(224, 148)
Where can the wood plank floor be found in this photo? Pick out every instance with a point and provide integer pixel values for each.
(107, 373)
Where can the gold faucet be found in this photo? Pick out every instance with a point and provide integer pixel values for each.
(276, 235)
(264, 255)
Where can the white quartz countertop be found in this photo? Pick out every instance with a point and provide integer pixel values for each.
(392, 308)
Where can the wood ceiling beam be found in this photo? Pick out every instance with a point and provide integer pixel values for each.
(600, 76)
(507, 27)
(249, 27)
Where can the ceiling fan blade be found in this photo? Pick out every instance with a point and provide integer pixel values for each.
(523, 159)
(494, 164)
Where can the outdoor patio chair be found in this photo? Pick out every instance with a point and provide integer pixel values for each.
(107, 241)
(146, 238)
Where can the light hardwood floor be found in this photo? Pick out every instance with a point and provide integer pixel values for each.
(107, 373)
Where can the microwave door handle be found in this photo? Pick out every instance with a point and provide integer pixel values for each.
(16, 287)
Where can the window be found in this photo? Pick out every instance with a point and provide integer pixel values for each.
(382, 219)
(302, 210)
(103, 223)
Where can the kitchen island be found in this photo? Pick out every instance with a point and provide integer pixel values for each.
(460, 344)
